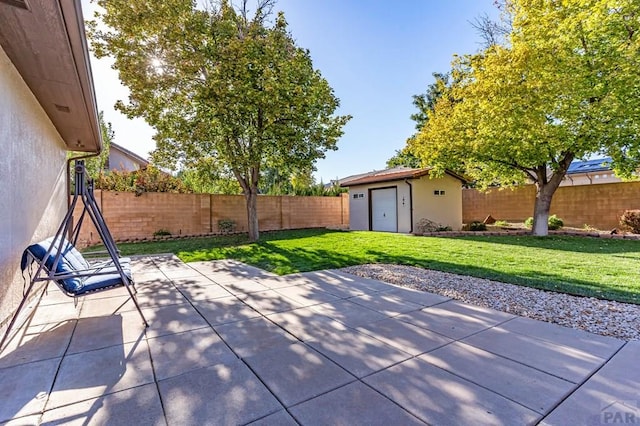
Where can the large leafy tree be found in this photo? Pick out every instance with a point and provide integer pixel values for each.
(565, 84)
(219, 84)
(424, 103)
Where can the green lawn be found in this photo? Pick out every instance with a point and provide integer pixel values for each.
(602, 268)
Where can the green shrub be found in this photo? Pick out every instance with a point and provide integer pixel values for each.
(162, 233)
(501, 223)
(477, 226)
(631, 219)
(226, 226)
(555, 222)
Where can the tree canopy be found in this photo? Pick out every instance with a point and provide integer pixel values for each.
(222, 86)
(564, 85)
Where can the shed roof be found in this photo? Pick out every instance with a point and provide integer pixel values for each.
(391, 175)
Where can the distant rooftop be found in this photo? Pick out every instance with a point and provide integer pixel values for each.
(589, 166)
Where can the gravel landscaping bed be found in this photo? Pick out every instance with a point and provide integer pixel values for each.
(607, 318)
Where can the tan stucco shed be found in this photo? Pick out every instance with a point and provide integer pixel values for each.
(395, 200)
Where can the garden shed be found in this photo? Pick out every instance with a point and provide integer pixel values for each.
(395, 200)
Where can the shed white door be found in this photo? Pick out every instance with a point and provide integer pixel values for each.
(384, 211)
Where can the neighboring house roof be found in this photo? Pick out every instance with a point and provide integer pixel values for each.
(46, 42)
(395, 174)
(132, 155)
(590, 166)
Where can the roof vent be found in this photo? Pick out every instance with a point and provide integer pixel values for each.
(61, 108)
(22, 4)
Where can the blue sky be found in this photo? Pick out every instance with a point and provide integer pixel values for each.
(375, 54)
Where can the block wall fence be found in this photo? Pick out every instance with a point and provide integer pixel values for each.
(137, 217)
(598, 205)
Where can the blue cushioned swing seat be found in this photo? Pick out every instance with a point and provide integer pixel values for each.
(72, 273)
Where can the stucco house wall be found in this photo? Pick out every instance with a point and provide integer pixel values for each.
(33, 176)
(446, 208)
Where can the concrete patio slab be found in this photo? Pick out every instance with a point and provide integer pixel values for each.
(91, 374)
(353, 404)
(269, 302)
(193, 282)
(348, 280)
(359, 354)
(214, 359)
(281, 418)
(105, 306)
(569, 363)
(137, 406)
(439, 397)
(306, 324)
(601, 346)
(179, 353)
(218, 395)
(291, 280)
(611, 396)
(37, 343)
(250, 337)
(405, 336)
(149, 277)
(179, 271)
(224, 310)
(159, 296)
(295, 373)
(24, 388)
(530, 387)
(172, 319)
(48, 314)
(104, 331)
(196, 291)
(455, 319)
(306, 295)
(416, 296)
(242, 286)
(349, 313)
(54, 296)
(387, 304)
(326, 282)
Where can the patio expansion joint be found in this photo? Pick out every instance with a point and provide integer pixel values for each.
(155, 377)
(579, 385)
(55, 376)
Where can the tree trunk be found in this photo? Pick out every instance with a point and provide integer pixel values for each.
(545, 188)
(252, 214)
(544, 193)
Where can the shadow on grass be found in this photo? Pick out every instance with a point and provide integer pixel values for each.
(271, 257)
(533, 278)
(563, 243)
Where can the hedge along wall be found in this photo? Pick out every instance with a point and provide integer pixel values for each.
(599, 205)
(134, 217)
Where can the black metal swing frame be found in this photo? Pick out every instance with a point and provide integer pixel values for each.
(50, 255)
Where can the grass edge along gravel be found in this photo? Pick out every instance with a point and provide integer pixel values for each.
(585, 266)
